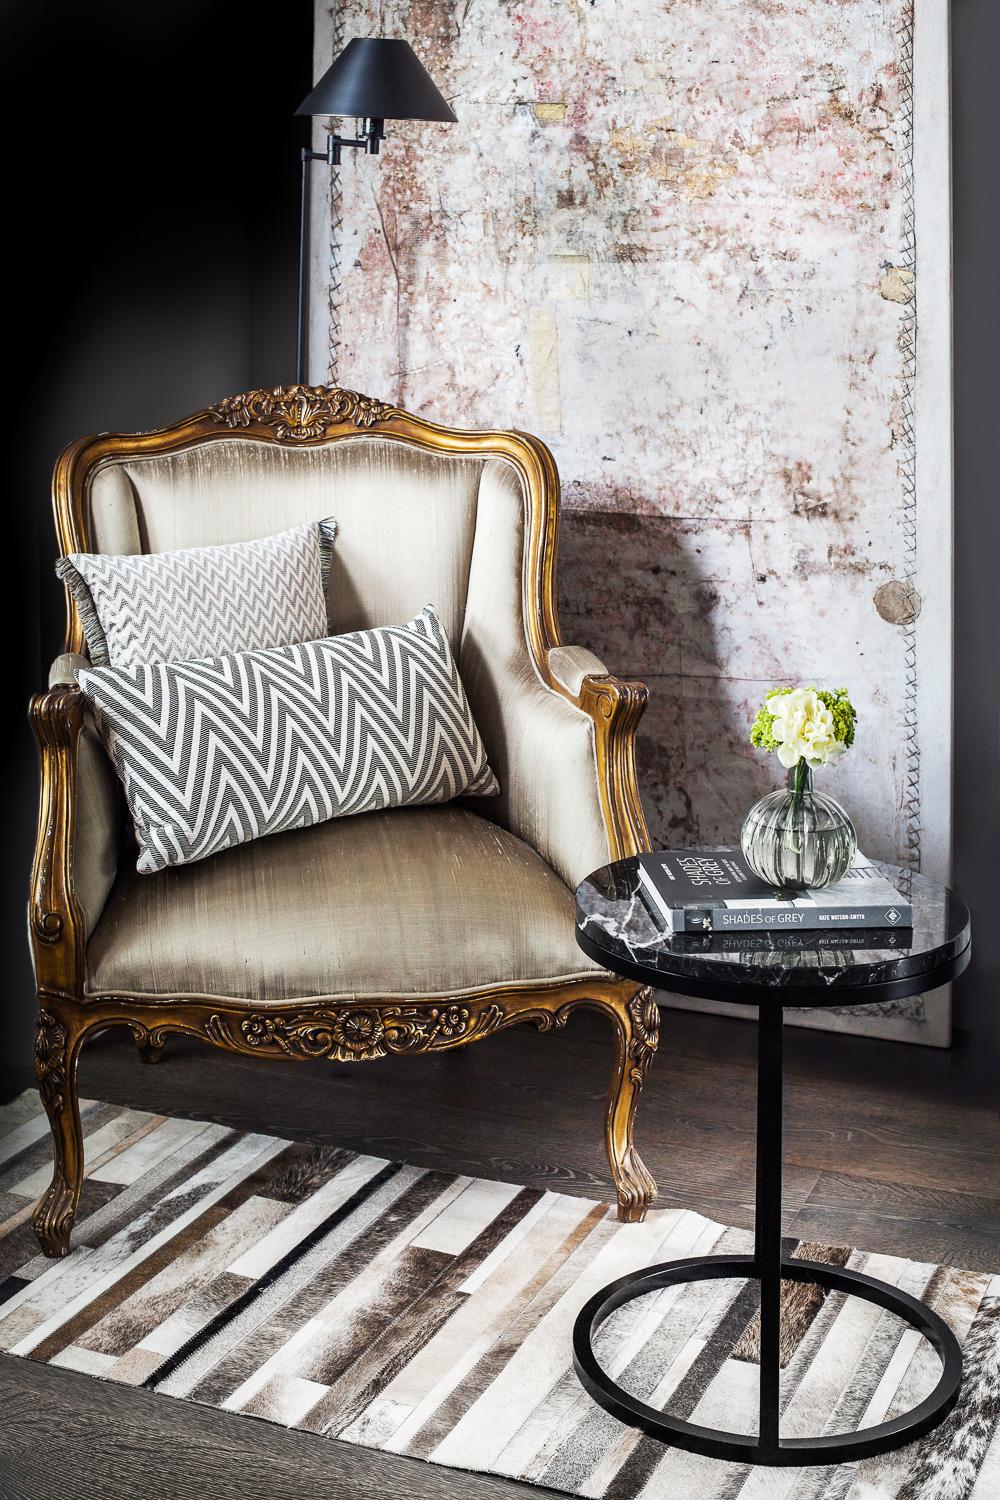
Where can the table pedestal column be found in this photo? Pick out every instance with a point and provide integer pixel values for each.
(767, 1221)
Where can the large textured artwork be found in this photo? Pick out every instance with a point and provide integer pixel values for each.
(701, 250)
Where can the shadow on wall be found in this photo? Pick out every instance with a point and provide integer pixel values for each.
(685, 606)
(638, 590)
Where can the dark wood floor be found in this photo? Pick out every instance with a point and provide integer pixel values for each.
(885, 1146)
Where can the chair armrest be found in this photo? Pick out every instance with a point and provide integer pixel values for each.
(615, 706)
(569, 665)
(77, 842)
(62, 672)
(562, 743)
(560, 731)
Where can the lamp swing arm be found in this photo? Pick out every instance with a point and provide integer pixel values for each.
(369, 141)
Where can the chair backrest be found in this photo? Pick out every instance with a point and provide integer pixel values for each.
(465, 521)
(405, 494)
(406, 519)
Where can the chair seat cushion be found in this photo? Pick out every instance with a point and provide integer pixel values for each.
(414, 901)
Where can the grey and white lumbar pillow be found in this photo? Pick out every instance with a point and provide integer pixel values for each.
(221, 751)
(203, 601)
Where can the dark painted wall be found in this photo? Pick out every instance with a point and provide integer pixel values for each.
(150, 184)
(150, 188)
(976, 46)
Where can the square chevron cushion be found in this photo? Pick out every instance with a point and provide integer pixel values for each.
(220, 751)
(202, 601)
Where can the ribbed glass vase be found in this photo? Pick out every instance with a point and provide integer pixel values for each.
(798, 839)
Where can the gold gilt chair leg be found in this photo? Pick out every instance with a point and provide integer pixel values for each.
(57, 1048)
(637, 1031)
(149, 1051)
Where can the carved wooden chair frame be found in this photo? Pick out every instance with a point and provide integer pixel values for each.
(311, 416)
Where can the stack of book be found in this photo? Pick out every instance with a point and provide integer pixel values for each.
(708, 891)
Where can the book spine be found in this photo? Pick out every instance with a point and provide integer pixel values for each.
(846, 938)
(827, 919)
(674, 917)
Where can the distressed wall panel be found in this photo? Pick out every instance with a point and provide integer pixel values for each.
(678, 242)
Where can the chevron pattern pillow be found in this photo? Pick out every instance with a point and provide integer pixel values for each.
(202, 601)
(218, 752)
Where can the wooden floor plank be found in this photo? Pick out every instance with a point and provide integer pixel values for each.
(933, 1224)
(68, 1435)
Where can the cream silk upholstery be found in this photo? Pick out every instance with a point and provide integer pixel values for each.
(406, 520)
(411, 901)
(540, 746)
(421, 901)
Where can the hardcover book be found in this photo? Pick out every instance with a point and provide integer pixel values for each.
(738, 943)
(714, 890)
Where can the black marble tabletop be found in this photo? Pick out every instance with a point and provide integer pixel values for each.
(615, 927)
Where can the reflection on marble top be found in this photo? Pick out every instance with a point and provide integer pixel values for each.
(611, 913)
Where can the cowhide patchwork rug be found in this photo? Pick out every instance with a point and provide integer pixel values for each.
(430, 1315)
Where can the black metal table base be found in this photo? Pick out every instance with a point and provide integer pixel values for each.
(766, 1447)
(767, 1266)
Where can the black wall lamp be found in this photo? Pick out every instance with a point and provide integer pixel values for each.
(374, 79)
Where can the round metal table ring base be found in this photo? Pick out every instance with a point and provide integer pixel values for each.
(841, 1447)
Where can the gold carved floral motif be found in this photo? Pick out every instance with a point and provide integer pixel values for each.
(50, 1061)
(645, 1036)
(300, 412)
(358, 1033)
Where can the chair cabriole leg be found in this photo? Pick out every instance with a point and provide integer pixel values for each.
(150, 1052)
(636, 1035)
(57, 1048)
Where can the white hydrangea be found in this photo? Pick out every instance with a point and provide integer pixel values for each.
(803, 728)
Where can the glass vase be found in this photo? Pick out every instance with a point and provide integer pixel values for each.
(798, 839)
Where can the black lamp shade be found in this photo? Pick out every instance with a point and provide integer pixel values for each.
(377, 78)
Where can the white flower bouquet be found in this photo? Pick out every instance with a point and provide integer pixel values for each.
(814, 725)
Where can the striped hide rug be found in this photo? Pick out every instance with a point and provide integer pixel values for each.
(427, 1314)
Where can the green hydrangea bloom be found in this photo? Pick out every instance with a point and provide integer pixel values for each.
(843, 712)
(761, 731)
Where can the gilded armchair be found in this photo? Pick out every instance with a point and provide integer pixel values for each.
(413, 930)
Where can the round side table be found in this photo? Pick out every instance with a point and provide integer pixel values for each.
(775, 971)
